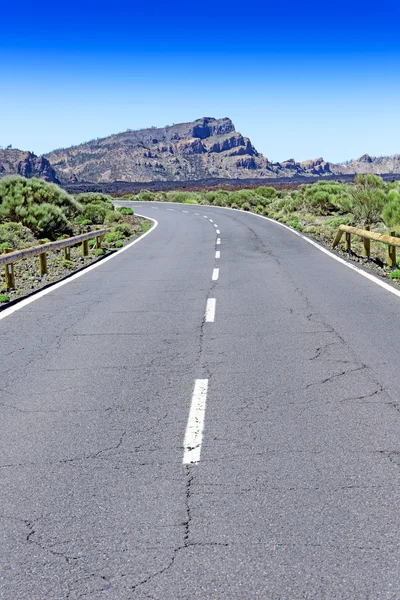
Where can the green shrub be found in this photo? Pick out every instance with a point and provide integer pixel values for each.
(100, 251)
(368, 198)
(95, 198)
(267, 192)
(146, 226)
(125, 210)
(4, 298)
(395, 274)
(246, 206)
(16, 236)
(260, 209)
(391, 211)
(82, 221)
(95, 213)
(145, 195)
(68, 264)
(119, 244)
(45, 220)
(113, 216)
(123, 228)
(334, 222)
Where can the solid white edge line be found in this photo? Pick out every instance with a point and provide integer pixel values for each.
(195, 425)
(215, 274)
(368, 276)
(210, 310)
(12, 309)
(218, 241)
(218, 254)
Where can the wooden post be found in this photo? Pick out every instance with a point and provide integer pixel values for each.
(42, 263)
(337, 239)
(85, 247)
(348, 243)
(67, 253)
(367, 245)
(392, 253)
(98, 241)
(9, 272)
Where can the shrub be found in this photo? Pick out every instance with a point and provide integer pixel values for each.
(260, 209)
(334, 222)
(391, 211)
(146, 195)
(395, 274)
(123, 228)
(368, 198)
(119, 244)
(246, 206)
(125, 210)
(38, 205)
(100, 251)
(68, 264)
(16, 235)
(96, 213)
(113, 216)
(267, 192)
(4, 298)
(95, 198)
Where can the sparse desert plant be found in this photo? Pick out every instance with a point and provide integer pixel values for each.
(368, 198)
(391, 211)
(395, 274)
(125, 210)
(119, 244)
(95, 213)
(123, 228)
(113, 216)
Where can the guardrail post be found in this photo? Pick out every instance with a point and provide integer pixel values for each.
(9, 272)
(392, 253)
(42, 263)
(337, 239)
(348, 243)
(85, 248)
(367, 245)
(67, 253)
(98, 242)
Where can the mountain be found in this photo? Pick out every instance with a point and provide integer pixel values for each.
(204, 149)
(27, 164)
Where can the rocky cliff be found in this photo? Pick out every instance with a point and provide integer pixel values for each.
(27, 164)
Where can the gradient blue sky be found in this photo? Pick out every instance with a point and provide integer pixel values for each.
(301, 79)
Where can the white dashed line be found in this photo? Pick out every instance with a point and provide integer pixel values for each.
(215, 274)
(215, 225)
(210, 310)
(195, 424)
(198, 214)
(185, 211)
(218, 231)
(170, 209)
(218, 241)
(218, 254)
(154, 207)
(211, 221)
(205, 216)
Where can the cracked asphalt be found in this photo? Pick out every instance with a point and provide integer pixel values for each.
(297, 491)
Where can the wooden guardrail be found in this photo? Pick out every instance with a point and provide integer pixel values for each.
(9, 258)
(390, 240)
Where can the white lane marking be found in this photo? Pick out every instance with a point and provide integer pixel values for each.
(205, 216)
(215, 274)
(195, 424)
(210, 310)
(211, 221)
(154, 207)
(185, 211)
(218, 254)
(218, 231)
(215, 225)
(8, 311)
(198, 214)
(218, 241)
(170, 209)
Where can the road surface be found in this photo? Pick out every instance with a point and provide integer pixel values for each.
(213, 413)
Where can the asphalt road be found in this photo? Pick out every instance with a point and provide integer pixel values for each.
(107, 382)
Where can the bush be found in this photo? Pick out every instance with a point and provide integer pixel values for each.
(16, 236)
(146, 195)
(123, 228)
(113, 216)
(395, 274)
(368, 198)
(391, 211)
(95, 213)
(38, 205)
(4, 298)
(246, 206)
(95, 198)
(125, 210)
(267, 192)
(119, 244)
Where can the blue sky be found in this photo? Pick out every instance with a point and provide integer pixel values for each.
(301, 79)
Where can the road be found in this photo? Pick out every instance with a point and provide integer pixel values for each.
(194, 419)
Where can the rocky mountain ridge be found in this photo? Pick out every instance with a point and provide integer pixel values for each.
(204, 149)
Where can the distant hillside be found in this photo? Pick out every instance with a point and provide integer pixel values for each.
(27, 164)
(201, 150)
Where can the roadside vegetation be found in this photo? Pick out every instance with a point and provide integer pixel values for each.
(315, 209)
(33, 211)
